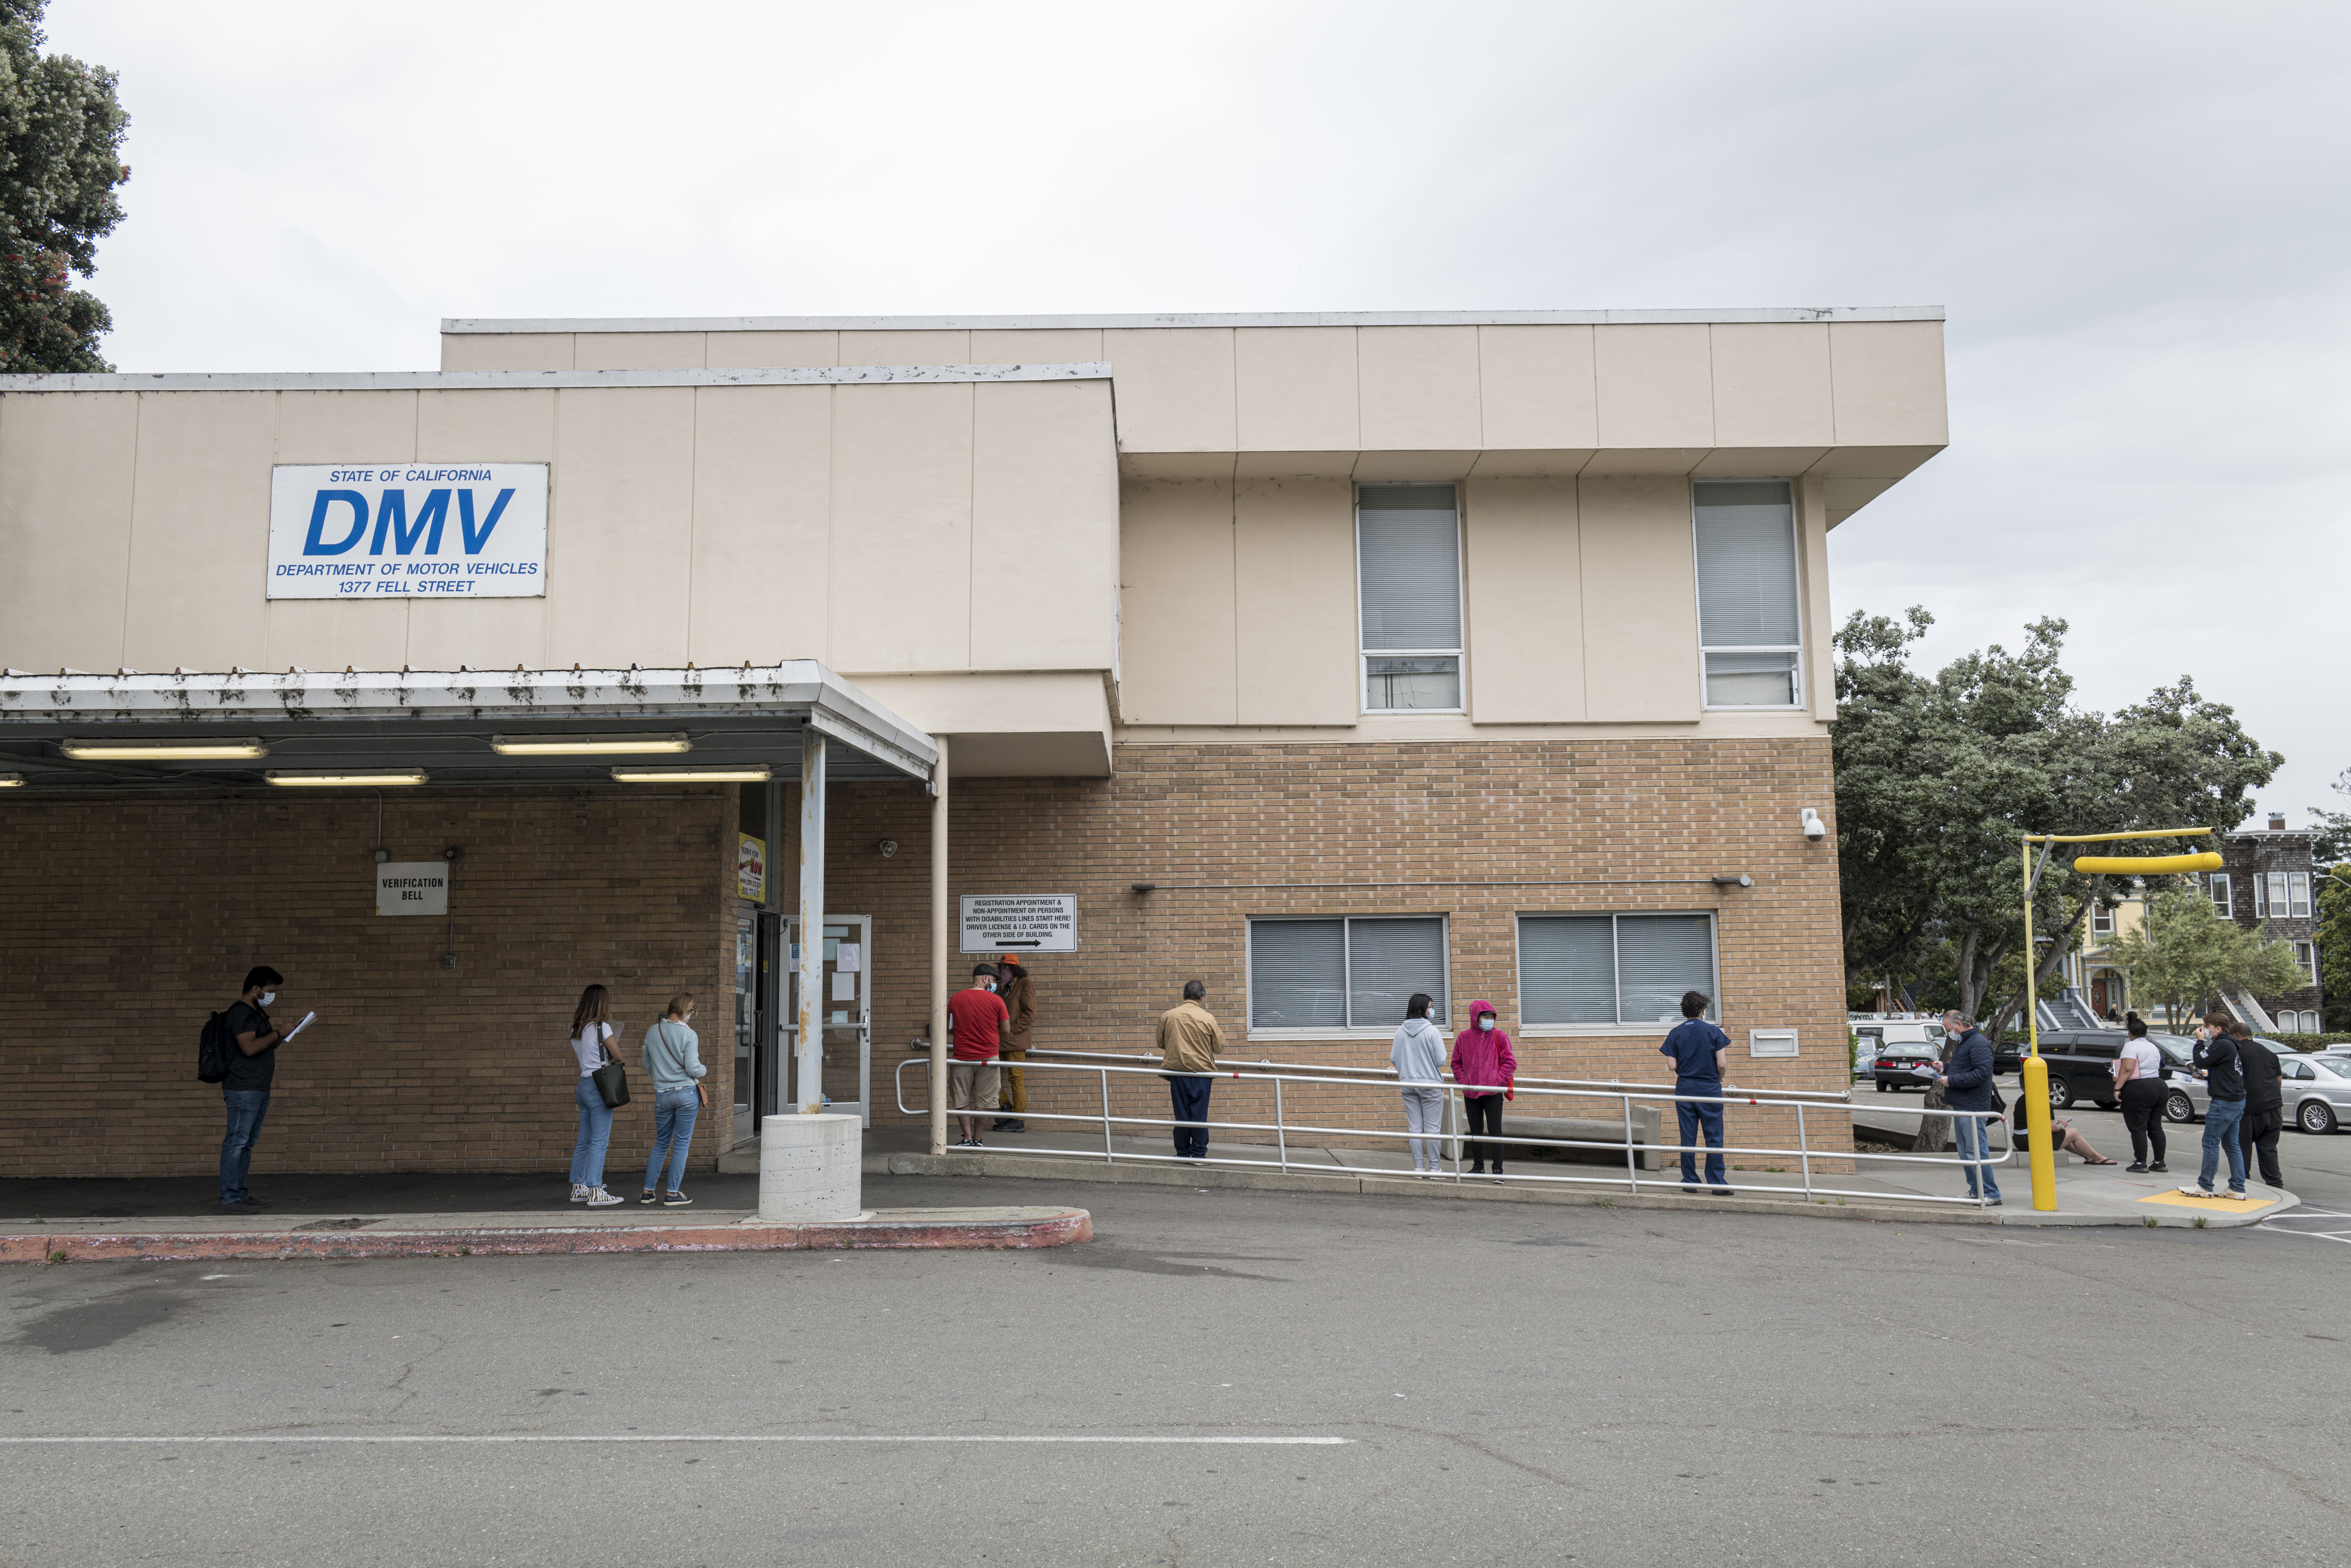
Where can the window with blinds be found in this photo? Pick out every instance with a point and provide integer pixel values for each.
(1613, 968)
(1749, 623)
(2282, 896)
(1347, 973)
(1408, 596)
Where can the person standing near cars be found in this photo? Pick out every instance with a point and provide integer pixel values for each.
(1019, 993)
(2257, 1133)
(674, 1062)
(2138, 1084)
(2220, 1063)
(1699, 1050)
(1484, 1069)
(1419, 1057)
(1966, 1081)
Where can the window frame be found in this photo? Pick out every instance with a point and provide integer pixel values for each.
(1801, 686)
(2299, 895)
(1346, 1029)
(2101, 920)
(1528, 1030)
(1460, 656)
(2305, 954)
(2221, 892)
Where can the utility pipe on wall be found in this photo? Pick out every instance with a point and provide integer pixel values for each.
(939, 950)
(809, 1056)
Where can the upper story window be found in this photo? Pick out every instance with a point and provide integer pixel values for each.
(2306, 954)
(2221, 895)
(1750, 624)
(2282, 896)
(2101, 920)
(1409, 583)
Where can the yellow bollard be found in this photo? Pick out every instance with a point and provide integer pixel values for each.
(2036, 1121)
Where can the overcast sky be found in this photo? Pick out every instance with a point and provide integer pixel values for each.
(2135, 214)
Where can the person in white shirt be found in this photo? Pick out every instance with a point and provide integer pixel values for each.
(2138, 1084)
(590, 1028)
(1418, 1056)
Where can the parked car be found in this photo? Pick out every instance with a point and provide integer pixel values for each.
(1911, 1046)
(1872, 1032)
(2316, 1088)
(2082, 1066)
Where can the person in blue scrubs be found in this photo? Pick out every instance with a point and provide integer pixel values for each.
(1698, 1048)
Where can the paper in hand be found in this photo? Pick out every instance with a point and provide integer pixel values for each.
(299, 1028)
(1924, 1069)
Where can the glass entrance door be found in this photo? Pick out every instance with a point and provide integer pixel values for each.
(845, 1006)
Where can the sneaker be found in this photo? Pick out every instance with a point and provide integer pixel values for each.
(599, 1198)
(1694, 1191)
(240, 1206)
(676, 1200)
(978, 1145)
(1724, 1191)
(2198, 1192)
(2238, 1193)
(1014, 1125)
(579, 1192)
(2159, 1167)
(258, 1202)
(648, 1195)
(1995, 1203)
(2135, 1167)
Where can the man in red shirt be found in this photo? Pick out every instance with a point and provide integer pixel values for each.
(976, 1021)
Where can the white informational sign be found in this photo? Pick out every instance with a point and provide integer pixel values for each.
(1019, 922)
(408, 530)
(413, 887)
(1770, 1042)
(849, 958)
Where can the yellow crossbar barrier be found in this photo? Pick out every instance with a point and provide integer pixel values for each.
(2144, 865)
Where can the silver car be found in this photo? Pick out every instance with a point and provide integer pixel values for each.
(2316, 1089)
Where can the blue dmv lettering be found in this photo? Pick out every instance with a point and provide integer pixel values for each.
(392, 516)
(315, 542)
(474, 541)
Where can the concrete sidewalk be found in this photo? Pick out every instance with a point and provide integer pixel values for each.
(1882, 1188)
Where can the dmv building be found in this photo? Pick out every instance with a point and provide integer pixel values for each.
(1325, 658)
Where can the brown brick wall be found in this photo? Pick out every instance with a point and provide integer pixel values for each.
(125, 922)
(1353, 815)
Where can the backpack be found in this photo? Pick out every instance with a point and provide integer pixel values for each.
(212, 1049)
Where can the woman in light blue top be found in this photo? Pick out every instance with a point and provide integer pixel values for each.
(1418, 1054)
(674, 1062)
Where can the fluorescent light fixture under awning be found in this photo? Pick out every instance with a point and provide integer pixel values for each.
(589, 744)
(756, 774)
(356, 778)
(12, 781)
(165, 750)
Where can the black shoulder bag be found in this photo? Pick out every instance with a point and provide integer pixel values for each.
(611, 1079)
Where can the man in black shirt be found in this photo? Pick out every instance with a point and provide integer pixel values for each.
(245, 1090)
(2219, 1062)
(2264, 1106)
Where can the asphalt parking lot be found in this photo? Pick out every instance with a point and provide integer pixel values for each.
(1221, 1378)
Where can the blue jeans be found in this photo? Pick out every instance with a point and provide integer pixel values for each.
(2221, 1119)
(1697, 1118)
(246, 1107)
(1188, 1097)
(1973, 1135)
(595, 1131)
(673, 1113)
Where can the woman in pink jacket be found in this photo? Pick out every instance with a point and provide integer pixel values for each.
(1484, 1070)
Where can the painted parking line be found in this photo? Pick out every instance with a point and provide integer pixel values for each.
(694, 1437)
(2318, 1224)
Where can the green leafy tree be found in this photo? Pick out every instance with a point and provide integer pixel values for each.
(2334, 946)
(2187, 954)
(60, 163)
(1938, 778)
(2334, 845)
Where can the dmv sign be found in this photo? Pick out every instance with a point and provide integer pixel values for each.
(408, 530)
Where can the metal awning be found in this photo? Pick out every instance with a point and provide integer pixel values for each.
(441, 723)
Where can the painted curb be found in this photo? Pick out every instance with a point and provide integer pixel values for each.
(1058, 1229)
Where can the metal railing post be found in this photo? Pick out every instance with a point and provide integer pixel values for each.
(1631, 1171)
(1110, 1155)
(1803, 1152)
(1281, 1134)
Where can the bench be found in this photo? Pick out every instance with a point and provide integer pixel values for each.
(1608, 1131)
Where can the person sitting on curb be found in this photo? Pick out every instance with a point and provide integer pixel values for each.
(2064, 1138)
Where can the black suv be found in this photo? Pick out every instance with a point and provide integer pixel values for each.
(2082, 1062)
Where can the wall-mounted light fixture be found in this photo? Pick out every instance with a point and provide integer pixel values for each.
(1741, 880)
(1814, 829)
(587, 745)
(165, 750)
(1143, 887)
(12, 781)
(365, 778)
(690, 775)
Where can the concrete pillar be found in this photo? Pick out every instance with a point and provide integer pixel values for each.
(810, 1052)
(939, 951)
(809, 1168)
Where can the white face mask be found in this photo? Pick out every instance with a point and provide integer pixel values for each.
(267, 998)
(1486, 1023)
(987, 985)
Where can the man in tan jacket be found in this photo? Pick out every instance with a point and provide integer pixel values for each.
(1189, 1038)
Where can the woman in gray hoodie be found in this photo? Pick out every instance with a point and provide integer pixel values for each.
(1418, 1054)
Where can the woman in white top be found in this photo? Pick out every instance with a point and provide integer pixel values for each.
(589, 1030)
(1418, 1055)
(2138, 1084)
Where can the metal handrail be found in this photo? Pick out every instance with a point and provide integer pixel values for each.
(1625, 1095)
(1225, 1064)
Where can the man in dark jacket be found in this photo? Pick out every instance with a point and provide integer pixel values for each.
(2221, 1062)
(1967, 1086)
(2257, 1135)
(1019, 994)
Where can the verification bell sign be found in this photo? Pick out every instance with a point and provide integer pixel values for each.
(408, 530)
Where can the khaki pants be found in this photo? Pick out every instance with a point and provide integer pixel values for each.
(1016, 1088)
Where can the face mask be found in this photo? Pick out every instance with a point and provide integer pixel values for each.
(987, 985)
(267, 998)
(1486, 1023)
